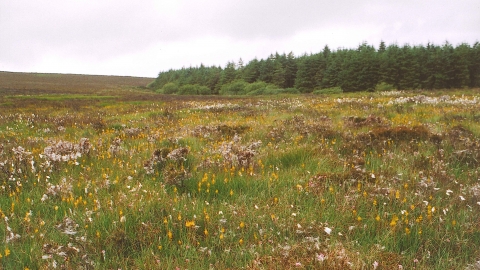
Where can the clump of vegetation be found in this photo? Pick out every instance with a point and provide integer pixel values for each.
(327, 91)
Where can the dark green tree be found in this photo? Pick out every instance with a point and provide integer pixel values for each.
(474, 65)
(305, 80)
(290, 70)
(360, 71)
(251, 72)
(278, 77)
(229, 74)
(334, 65)
(266, 69)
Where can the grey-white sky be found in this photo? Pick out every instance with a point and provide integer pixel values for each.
(144, 37)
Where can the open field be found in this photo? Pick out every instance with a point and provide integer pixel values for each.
(124, 178)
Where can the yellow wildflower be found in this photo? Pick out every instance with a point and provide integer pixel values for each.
(393, 223)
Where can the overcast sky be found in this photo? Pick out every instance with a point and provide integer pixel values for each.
(144, 37)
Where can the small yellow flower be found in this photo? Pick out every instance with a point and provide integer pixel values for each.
(393, 223)
(377, 218)
(205, 232)
(240, 241)
(189, 224)
(359, 218)
(170, 235)
(7, 252)
(242, 225)
(419, 219)
(160, 247)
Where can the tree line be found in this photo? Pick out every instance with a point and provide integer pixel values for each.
(362, 69)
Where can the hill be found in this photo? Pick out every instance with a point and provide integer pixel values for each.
(19, 83)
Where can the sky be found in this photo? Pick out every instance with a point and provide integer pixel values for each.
(144, 37)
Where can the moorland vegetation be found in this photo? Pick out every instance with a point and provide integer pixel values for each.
(121, 177)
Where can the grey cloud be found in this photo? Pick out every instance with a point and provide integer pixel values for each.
(103, 30)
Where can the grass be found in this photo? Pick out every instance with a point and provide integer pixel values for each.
(316, 182)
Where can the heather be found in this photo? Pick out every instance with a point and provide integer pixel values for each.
(380, 180)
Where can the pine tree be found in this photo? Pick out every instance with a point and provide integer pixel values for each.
(407, 77)
(278, 77)
(360, 72)
(460, 66)
(240, 69)
(474, 65)
(251, 72)
(229, 74)
(266, 69)
(305, 79)
(334, 65)
(290, 70)
(382, 48)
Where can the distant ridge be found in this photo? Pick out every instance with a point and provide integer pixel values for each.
(29, 82)
(72, 74)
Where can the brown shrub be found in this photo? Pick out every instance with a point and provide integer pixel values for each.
(356, 121)
(401, 133)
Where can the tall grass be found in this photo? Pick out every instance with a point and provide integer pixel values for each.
(379, 180)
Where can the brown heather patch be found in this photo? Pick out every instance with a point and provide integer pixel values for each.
(371, 120)
(401, 133)
(310, 256)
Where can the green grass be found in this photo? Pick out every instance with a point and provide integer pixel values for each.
(168, 184)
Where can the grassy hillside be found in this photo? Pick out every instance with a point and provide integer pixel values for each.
(17, 83)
